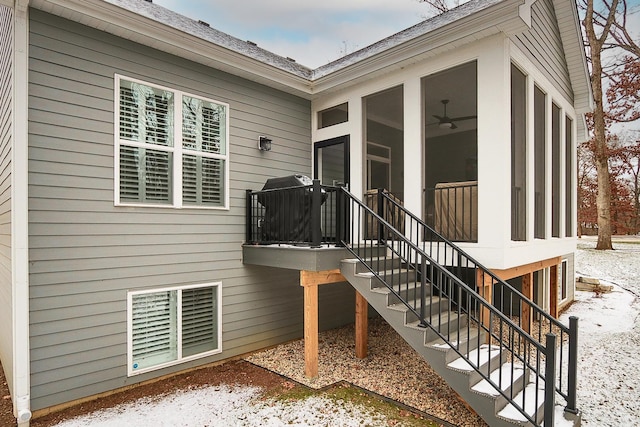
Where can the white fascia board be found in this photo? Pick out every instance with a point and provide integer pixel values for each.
(140, 29)
(571, 34)
(20, 216)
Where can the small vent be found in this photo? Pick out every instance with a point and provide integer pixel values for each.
(206, 24)
(149, 1)
(291, 59)
(252, 43)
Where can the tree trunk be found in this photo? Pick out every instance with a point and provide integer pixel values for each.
(603, 199)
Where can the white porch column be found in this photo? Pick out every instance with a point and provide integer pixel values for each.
(356, 127)
(494, 146)
(413, 155)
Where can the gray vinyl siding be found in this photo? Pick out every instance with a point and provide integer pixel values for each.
(85, 254)
(543, 46)
(6, 141)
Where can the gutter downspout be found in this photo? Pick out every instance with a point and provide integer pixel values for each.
(20, 216)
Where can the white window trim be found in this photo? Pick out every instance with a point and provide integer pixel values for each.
(564, 275)
(179, 359)
(177, 148)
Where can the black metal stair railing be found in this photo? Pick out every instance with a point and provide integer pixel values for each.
(512, 302)
(452, 310)
(439, 283)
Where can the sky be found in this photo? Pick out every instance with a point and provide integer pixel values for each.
(311, 32)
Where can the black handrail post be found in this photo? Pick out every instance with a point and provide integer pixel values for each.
(381, 215)
(423, 293)
(573, 366)
(316, 217)
(550, 380)
(249, 218)
(340, 234)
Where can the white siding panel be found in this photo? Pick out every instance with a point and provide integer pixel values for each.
(6, 141)
(543, 45)
(86, 253)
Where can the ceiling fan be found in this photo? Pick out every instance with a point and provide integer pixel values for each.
(446, 122)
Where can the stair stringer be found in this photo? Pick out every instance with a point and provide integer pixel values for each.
(422, 339)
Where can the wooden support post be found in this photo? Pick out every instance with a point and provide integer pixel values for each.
(362, 320)
(527, 290)
(310, 280)
(311, 331)
(553, 291)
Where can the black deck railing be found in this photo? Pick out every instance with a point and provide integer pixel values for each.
(427, 272)
(301, 215)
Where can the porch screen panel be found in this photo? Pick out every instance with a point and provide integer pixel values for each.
(555, 170)
(518, 154)
(569, 182)
(540, 125)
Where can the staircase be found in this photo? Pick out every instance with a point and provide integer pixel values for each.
(427, 289)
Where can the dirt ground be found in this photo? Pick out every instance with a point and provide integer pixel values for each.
(234, 372)
(6, 407)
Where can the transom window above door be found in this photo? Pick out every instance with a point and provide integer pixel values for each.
(171, 147)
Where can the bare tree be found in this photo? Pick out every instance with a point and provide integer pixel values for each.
(593, 23)
(605, 28)
(441, 6)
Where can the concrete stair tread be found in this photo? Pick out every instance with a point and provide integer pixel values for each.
(479, 355)
(441, 344)
(430, 299)
(510, 412)
(506, 373)
(436, 318)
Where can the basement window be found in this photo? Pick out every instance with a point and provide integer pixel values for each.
(172, 325)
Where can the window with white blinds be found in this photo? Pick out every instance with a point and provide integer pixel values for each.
(171, 147)
(173, 325)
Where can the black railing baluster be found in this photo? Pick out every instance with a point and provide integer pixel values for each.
(573, 366)
(549, 383)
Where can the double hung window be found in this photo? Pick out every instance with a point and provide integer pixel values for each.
(171, 147)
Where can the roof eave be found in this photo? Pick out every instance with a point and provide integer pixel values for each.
(503, 17)
(571, 33)
(127, 24)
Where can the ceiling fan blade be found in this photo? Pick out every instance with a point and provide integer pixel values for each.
(458, 119)
(440, 119)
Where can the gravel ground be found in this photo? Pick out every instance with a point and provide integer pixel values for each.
(392, 369)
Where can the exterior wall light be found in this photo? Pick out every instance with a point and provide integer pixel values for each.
(264, 143)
